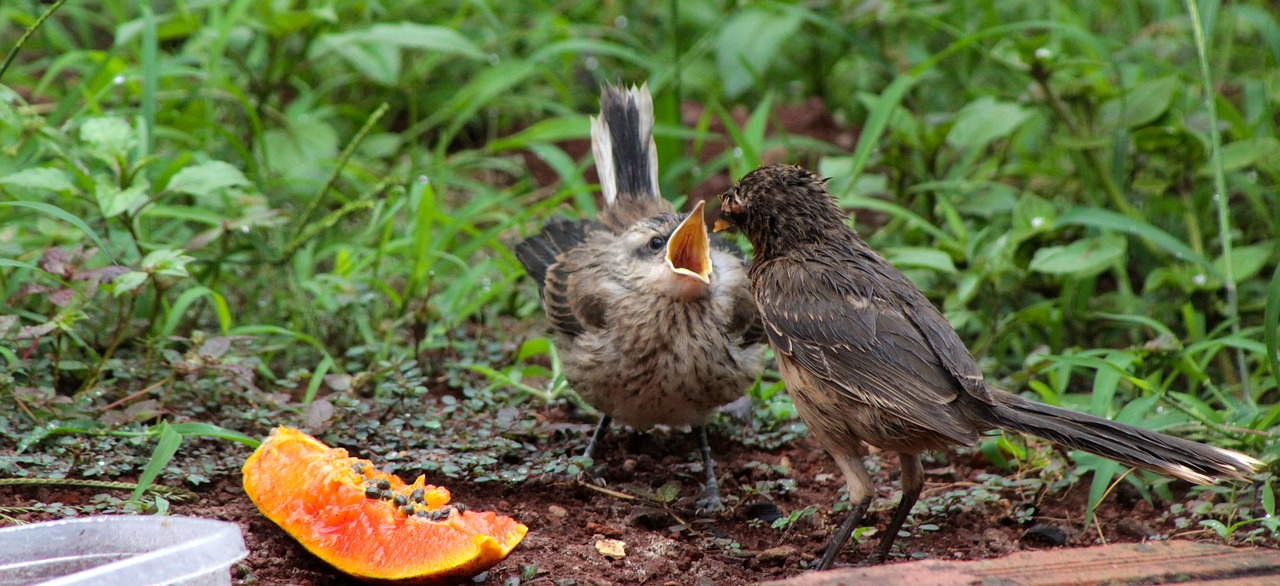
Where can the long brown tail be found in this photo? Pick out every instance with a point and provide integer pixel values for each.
(1134, 446)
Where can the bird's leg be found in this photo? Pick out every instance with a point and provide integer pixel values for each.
(598, 436)
(710, 500)
(912, 481)
(860, 492)
(838, 540)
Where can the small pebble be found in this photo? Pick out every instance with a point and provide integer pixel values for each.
(612, 548)
(1046, 534)
(776, 556)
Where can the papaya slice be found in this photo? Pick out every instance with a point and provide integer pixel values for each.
(370, 524)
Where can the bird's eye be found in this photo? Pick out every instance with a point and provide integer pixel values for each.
(656, 243)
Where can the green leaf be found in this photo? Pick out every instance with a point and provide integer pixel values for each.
(65, 216)
(110, 137)
(1271, 324)
(1089, 256)
(1246, 261)
(545, 131)
(1218, 527)
(127, 282)
(375, 51)
(301, 149)
(984, 121)
(1262, 152)
(748, 45)
(39, 178)
(928, 258)
(1109, 220)
(168, 445)
(167, 262)
(1032, 215)
(197, 429)
(114, 201)
(206, 178)
(1140, 105)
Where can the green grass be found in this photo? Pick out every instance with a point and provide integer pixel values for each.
(214, 200)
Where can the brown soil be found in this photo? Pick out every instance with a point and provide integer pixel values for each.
(674, 545)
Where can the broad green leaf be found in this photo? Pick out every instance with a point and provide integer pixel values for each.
(114, 201)
(550, 130)
(928, 258)
(1032, 215)
(127, 282)
(39, 178)
(1140, 105)
(377, 62)
(1262, 152)
(167, 262)
(375, 51)
(1109, 220)
(984, 121)
(1080, 258)
(111, 138)
(749, 44)
(303, 149)
(405, 35)
(1246, 261)
(206, 178)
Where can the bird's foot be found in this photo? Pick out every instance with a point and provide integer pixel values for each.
(874, 559)
(710, 502)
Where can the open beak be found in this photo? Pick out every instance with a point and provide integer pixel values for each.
(689, 248)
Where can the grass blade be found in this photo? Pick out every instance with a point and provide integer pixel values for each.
(168, 445)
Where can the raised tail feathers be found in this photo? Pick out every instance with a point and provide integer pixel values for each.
(622, 142)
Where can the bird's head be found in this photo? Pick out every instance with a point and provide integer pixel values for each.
(777, 206)
(670, 254)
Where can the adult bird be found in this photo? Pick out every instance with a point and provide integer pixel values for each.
(653, 320)
(869, 360)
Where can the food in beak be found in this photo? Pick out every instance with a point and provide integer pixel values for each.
(721, 225)
(689, 248)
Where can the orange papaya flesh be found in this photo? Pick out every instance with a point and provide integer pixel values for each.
(370, 524)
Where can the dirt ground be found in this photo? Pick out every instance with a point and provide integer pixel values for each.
(670, 544)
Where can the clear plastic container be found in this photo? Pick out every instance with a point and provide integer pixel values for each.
(120, 550)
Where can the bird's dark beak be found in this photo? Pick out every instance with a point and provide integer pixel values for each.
(727, 206)
(689, 248)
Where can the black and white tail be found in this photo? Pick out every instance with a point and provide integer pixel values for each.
(627, 162)
(626, 157)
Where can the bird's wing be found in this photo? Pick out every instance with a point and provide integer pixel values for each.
(573, 295)
(840, 322)
(538, 252)
(744, 318)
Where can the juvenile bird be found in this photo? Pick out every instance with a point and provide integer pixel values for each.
(653, 320)
(869, 360)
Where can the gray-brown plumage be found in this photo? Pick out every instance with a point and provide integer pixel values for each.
(868, 359)
(653, 320)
